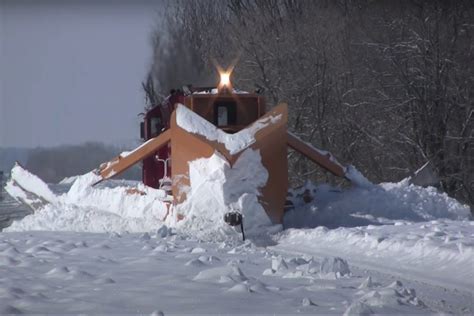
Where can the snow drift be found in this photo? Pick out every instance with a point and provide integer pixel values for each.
(384, 203)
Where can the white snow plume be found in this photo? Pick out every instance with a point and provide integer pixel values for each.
(357, 178)
(234, 143)
(376, 204)
(31, 183)
(217, 188)
(95, 209)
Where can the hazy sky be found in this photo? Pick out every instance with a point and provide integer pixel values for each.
(71, 70)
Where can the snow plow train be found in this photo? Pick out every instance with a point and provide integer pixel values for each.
(196, 123)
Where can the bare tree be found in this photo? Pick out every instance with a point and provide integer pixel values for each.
(385, 85)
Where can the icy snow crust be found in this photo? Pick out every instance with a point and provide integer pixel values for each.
(234, 143)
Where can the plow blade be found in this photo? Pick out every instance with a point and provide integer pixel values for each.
(121, 163)
(269, 138)
(323, 158)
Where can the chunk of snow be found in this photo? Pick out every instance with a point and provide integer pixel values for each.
(307, 302)
(124, 154)
(68, 180)
(240, 288)
(198, 250)
(335, 266)
(367, 284)
(195, 263)
(279, 264)
(32, 183)
(230, 273)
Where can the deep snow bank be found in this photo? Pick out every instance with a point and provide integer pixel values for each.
(93, 209)
(370, 204)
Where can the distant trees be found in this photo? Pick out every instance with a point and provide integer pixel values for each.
(54, 164)
(385, 85)
(175, 61)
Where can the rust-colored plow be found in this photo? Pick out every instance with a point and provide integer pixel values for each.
(271, 138)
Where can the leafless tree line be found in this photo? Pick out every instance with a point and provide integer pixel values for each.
(384, 85)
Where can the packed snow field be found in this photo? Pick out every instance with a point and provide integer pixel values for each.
(118, 248)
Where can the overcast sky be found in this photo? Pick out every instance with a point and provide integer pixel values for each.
(71, 70)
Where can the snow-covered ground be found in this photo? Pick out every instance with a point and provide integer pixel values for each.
(389, 248)
(51, 272)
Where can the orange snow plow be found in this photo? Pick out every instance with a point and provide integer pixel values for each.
(227, 123)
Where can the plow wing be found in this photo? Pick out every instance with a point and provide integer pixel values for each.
(323, 158)
(121, 163)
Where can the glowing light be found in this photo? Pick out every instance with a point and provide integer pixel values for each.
(225, 79)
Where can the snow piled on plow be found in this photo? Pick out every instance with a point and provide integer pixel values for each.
(234, 143)
(217, 188)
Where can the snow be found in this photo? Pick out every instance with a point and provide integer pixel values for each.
(124, 154)
(216, 91)
(357, 178)
(217, 188)
(234, 143)
(385, 203)
(440, 251)
(15, 191)
(78, 273)
(90, 209)
(68, 180)
(390, 248)
(334, 267)
(32, 183)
